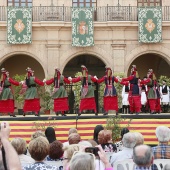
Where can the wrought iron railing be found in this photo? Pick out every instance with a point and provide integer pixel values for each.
(101, 14)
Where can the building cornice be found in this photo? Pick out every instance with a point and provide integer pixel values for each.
(53, 46)
(118, 46)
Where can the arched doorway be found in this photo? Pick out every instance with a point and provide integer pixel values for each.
(17, 64)
(151, 61)
(94, 65)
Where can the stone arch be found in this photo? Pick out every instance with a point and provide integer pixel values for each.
(95, 51)
(8, 55)
(145, 49)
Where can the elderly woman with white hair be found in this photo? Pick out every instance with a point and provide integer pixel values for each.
(20, 146)
(87, 161)
(162, 151)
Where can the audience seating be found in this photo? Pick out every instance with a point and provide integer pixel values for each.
(127, 164)
(160, 163)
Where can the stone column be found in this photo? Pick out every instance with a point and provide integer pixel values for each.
(119, 57)
(53, 58)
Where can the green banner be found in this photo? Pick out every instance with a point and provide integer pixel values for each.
(150, 24)
(82, 27)
(19, 25)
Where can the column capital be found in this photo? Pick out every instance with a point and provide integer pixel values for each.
(53, 46)
(118, 46)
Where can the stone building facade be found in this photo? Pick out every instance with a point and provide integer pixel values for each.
(116, 42)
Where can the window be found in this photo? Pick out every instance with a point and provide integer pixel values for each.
(149, 3)
(22, 3)
(84, 3)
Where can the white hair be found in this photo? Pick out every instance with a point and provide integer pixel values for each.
(129, 140)
(85, 143)
(82, 161)
(163, 133)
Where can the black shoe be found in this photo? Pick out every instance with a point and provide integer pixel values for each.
(23, 114)
(96, 114)
(152, 113)
(64, 115)
(106, 113)
(56, 113)
(117, 114)
(12, 115)
(131, 113)
(79, 114)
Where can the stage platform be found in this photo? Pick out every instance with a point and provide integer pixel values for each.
(144, 123)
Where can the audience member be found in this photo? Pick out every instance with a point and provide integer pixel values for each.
(36, 134)
(55, 151)
(71, 130)
(39, 149)
(129, 141)
(139, 138)
(162, 151)
(87, 161)
(85, 143)
(105, 139)
(68, 153)
(142, 157)
(93, 143)
(119, 144)
(9, 158)
(20, 146)
(74, 138)
(50, 134)
(97, 129)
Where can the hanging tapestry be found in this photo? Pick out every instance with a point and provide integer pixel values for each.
(150, 24)
(82, 27)
(19, 25)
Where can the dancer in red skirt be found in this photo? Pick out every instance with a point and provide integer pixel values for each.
(150, 81)
(32, 101)
(6, 94)
(110, 96)
(59, 93)
(134, 93)
(87, 91)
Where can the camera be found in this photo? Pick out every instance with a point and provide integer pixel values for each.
(93, 150)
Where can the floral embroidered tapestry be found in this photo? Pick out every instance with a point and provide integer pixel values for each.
(150, 24)
(19, 25)
(82, 27)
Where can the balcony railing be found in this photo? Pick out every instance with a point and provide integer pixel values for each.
(101, 14)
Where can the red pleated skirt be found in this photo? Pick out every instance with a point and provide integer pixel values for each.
(7, 106)
(88, 104)
(31, 105)
(61, 104)
(110, 103)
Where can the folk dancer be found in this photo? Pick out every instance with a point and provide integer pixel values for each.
(59, 93)
(87, 101)
(32, 101)
(164, 89)
(134, 93)
(110, 96)
(151, 93)
(125, 97)
(158, 99)
(143, 97)
(6, 93)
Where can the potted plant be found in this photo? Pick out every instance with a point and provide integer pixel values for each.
(114, 124)
(47, 101)
(77, 91)
(19, 97)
